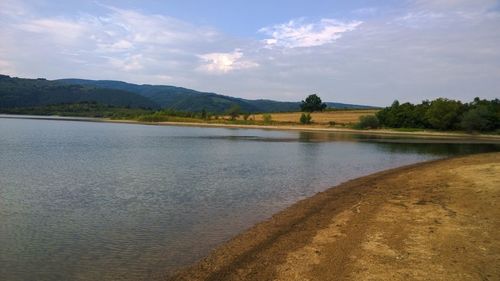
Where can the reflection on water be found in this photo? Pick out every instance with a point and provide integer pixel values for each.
(401, 144)
(438, 149)
(96, 201)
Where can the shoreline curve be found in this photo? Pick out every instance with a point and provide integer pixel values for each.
(435, 219)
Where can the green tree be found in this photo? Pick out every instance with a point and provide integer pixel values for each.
(203, 114)
(368, 122)
(477, 119)
(388, 115)
(443, 114)
(312, 103)
(234, 112)
(267, 118)
(305, 118)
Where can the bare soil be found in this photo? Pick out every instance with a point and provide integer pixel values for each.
(438, 220)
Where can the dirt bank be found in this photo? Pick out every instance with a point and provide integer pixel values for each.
(433, 221)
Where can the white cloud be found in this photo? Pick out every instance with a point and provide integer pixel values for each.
(417, 19)
(225, 62)
(129, 63)
(116, 41)
(155, 29)
(296, 33)
(12, 8)
(121, 45)
(62, 30)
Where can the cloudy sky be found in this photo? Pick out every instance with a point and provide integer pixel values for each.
(365, 52)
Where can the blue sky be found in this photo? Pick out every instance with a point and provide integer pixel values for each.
(368, 52)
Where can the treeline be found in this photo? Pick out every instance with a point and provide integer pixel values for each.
(99, 110)
(443, 114)
(80, 109)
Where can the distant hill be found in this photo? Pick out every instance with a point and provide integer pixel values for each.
(183, 99)
(179, 98)
(338, 105)
(19, 92)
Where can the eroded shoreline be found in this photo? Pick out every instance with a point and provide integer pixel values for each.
(435, 220)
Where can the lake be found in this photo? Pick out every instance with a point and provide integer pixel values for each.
(101, 201)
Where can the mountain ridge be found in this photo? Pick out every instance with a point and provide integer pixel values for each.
(24, 92)
(157, 93)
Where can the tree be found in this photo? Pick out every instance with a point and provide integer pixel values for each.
(443, 114)
(477, 119)
(234, 111)
(312, 103)
(267, 118)
(368, 122)
(305, 118)
(203, 114)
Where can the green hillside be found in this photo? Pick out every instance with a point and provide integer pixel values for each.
(19, 92)
(183, 99)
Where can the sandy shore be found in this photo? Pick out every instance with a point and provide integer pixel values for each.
(432, 221)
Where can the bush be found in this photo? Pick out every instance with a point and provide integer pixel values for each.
(267, 118)
(368, 122)
(443, 114)
(478, 119)
(155, 117)
(234, 112)
(203, 114)
(305, 118)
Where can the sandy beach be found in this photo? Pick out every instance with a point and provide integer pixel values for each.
(437, 220)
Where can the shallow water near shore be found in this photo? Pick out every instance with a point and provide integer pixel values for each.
(100, 201)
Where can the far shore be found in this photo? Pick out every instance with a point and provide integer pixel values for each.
(309, 128)
(436, 220)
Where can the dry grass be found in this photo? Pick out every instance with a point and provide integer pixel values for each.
(339, 117)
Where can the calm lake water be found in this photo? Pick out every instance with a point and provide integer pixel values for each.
(98, 201)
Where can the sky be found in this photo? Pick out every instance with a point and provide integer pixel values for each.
(365, 52)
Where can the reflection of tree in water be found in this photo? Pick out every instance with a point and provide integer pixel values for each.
(436, 148)
(396, 144)
(391, 144)
(324, 136)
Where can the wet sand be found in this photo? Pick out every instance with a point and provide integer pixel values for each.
(437, 220)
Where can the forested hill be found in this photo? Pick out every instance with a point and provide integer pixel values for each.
(19, 92)
(183, 99)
